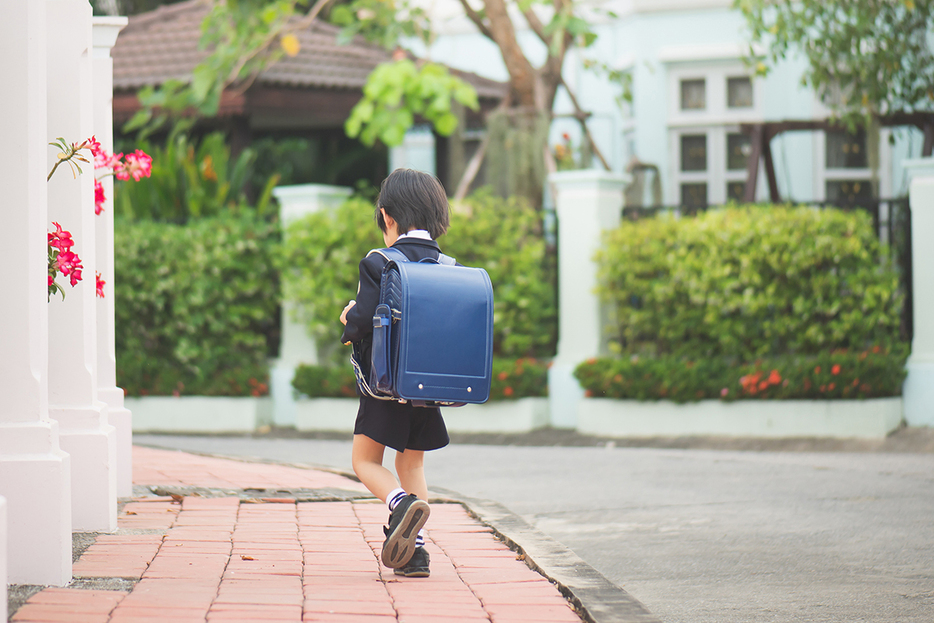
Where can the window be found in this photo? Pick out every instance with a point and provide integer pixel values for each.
(694, 194)
(846, 151)
(739, 92)
(738, 146)
(694, 152)
(735, 191)
(693, 94)
(848, 191)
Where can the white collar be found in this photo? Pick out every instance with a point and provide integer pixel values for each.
(416, 233)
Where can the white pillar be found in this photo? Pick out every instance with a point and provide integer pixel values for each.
(34, 472)
(918, 391)
(295, 345)
(587, 203)
(73, 400)
(105, 33)
(2, 554)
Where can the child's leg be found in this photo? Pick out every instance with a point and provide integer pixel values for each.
(368, 466)
(410, 466)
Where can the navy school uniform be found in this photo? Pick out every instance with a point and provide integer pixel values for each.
(399, 426)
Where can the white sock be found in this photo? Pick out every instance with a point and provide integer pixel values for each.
(394, 497)
(420, 538)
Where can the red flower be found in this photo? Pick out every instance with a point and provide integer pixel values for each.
(835, 370)
(763, 385)
(60, 239)
(69, 264)
(774, 377)
(508, 391)
(724, 392)
(831, 386)
(138, 164)
(817, 370)
(502, 376)
(100, 284)
(99, 197)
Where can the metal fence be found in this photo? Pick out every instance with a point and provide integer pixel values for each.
(891, 219)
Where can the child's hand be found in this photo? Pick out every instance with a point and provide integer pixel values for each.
(347, 309)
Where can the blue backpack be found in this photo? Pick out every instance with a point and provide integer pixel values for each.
(432, 333)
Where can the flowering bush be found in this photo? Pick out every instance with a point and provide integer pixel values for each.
(61, 257)
(870, 373)
(512, 379)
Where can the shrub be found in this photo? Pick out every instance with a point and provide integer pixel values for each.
(322, 252)
(512, 379)
(192, 180)
(870, 373)
(747, 282)
(196, 305)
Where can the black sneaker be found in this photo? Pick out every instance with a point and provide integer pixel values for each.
(417, 566)
(405, 521)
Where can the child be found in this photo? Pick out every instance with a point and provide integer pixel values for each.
(411, 211)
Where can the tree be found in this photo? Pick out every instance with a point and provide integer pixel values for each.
(865, 60)
(247, 35)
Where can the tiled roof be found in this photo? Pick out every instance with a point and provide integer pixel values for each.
(163, 44)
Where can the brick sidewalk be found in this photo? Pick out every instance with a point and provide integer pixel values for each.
(232, 558)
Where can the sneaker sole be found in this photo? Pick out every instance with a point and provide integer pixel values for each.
(420, 573)
(400, 545)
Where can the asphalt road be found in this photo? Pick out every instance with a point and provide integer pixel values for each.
(701, 536)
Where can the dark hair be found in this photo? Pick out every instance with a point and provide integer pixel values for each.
(415, 200)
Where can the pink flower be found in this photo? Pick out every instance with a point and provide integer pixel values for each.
(99, 197)
(51, 281)
(94, 146)
(60, 239)
(70, 265)
(100, 285)
(138, 164)
(724, 392)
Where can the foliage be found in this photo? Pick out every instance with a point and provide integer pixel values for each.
(518, 378)
(398, 91)
(512, 379)
(748, 282)
(864, 58)
(192, 179)
(325, 381)
(838, 374)
(322, 251)
(196, 305)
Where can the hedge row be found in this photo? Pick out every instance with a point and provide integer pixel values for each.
(870, 373)
(196, 306)
(749, 282)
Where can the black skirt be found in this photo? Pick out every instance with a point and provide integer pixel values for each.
(401, 426)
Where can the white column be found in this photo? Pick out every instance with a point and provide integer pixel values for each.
(587, 203)
(918, 391)
(2, 554)
(34, 472)
(73, 400)
(295, 345)
(105, 33)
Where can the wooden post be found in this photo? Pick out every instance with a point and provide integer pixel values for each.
(756, 134)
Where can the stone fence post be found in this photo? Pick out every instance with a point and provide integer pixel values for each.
(588, 203)
(296, 346)
(918, 391)
(73, 398)
(35, 476)
(105, 30)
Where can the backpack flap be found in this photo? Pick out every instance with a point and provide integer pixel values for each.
(445, 333)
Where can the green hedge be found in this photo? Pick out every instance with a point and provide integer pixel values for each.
(748, 282)
(322, 252)
(196, 305)
(512, 379)
(870, 373)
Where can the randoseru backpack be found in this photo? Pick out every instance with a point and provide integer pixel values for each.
(432, 333)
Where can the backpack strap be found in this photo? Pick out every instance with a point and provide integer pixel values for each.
(395, 255)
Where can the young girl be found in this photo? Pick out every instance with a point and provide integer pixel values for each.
(411, 211)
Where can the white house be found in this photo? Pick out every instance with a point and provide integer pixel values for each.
(691, 91)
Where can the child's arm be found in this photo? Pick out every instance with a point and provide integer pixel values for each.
(359, 317)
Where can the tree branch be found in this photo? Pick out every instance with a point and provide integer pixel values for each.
(583, 122)
(536, 25)
(477, 20)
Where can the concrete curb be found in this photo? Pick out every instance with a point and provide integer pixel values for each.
(598, 599)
